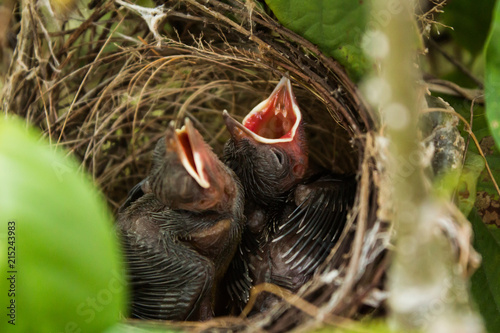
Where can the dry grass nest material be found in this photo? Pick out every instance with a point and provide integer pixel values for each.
(106, 87)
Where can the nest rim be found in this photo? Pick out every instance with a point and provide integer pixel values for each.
(322, 80)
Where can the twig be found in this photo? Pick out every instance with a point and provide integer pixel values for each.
(298, 302)
(361, 225)
(456, 63)
(451, 88)
(470, 126)
(147, 45)
(47, 118)
(85, 79)
(95, 16)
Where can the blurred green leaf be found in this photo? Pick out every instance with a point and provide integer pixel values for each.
(146, 3)
(492, 77)
(142, 328)
(473, 167)
(69, 273)
(444, 185)
(366, 325)
(470, 21)
(336, 27)
(495, 232)
(484, 283)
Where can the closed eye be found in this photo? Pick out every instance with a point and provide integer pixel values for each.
(279, 156)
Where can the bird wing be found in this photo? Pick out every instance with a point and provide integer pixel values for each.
(135, 193)
(317, 221)
(168, 280)
(237, 279)
(183, 227)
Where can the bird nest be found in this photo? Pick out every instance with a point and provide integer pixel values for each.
(105, 81)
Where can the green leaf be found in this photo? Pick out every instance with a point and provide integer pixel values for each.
(365, 325)
(336, 27)
(473, 167)
(68, 275)
(144, 327)
(482, 132)
(492, 77)
(470, 21)
(484, 283)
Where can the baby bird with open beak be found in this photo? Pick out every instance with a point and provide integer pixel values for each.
(268, 151)
(294, 215)
(180, 228)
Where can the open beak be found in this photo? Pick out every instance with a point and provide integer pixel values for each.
(194, 153)
(236, 129)
(274, 120)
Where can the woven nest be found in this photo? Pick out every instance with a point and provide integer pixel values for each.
(107, 87)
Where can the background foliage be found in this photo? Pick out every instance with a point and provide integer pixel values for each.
(69, 274)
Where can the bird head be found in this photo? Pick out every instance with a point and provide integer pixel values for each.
(268, 149)
(186, 173)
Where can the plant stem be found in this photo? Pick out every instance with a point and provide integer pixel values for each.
(428, 291)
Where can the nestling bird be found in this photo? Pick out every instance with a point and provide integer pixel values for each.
(180, 228)
(294, 215)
